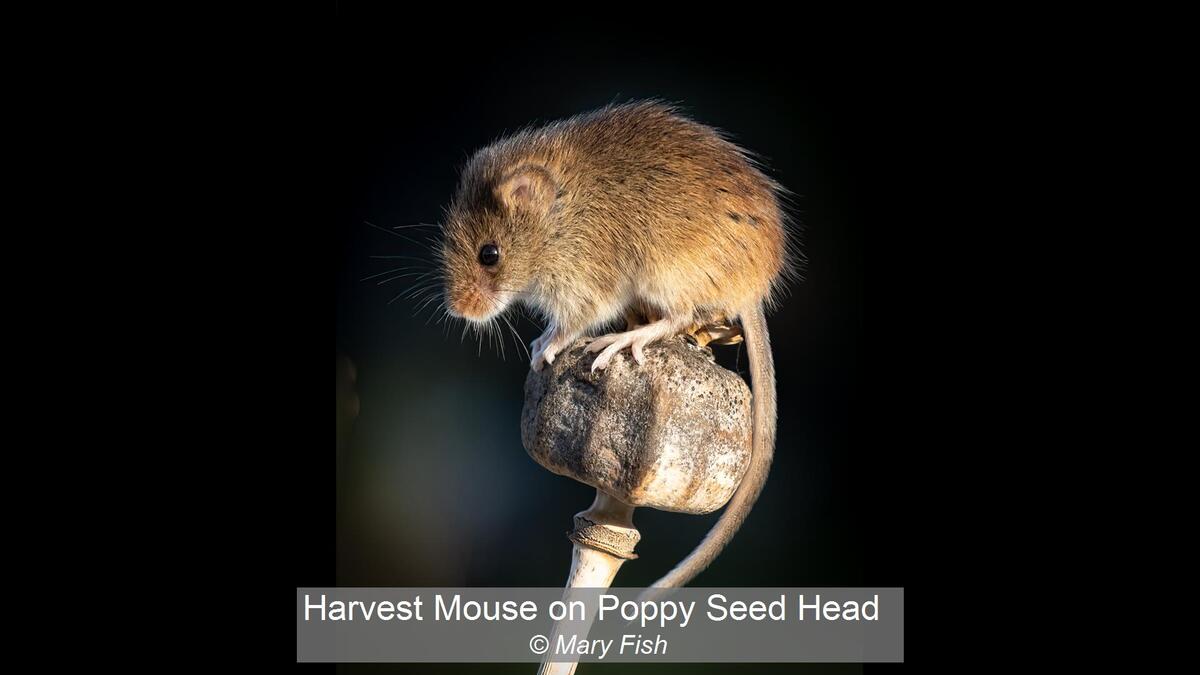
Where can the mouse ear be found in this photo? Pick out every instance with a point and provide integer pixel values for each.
(529, 188)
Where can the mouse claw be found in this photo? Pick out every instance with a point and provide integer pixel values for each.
(543, 348)
(597, 343)
(638, 355)
(607, 355)
(601, 362)
(611, 345)
(637, 339)
(542, 358)
(550, 345)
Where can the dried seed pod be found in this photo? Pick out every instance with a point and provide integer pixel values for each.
(672, 434)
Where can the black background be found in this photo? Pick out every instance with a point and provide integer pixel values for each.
(221, 167)
(861, 343)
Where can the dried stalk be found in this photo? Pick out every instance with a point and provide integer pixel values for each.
(603, 539)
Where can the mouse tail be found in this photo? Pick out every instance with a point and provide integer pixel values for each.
(762, 380)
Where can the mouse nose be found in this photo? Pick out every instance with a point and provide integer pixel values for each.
(470, 304)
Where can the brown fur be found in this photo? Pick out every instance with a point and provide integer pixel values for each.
(648, 206)
(634, 212)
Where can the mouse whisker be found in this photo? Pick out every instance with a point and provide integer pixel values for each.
(439, 306)
(394, 234)
(418, 275)
(407, 270)
(517, 336)
(430, 297)
(429, 286)
(422, 299)
(523, 313)
(391, 271)
(435, 311)
(395, 257)
(495, 329)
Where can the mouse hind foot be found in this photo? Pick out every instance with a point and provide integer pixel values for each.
(636, 340)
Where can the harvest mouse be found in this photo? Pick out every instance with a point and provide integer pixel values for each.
(631, 211)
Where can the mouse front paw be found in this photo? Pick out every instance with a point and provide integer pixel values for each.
(548, 346)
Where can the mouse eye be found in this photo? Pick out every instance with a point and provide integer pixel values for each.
(489, 255)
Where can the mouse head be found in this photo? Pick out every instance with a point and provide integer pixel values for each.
(491, 243)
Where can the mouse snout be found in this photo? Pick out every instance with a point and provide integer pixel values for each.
(471, 302)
